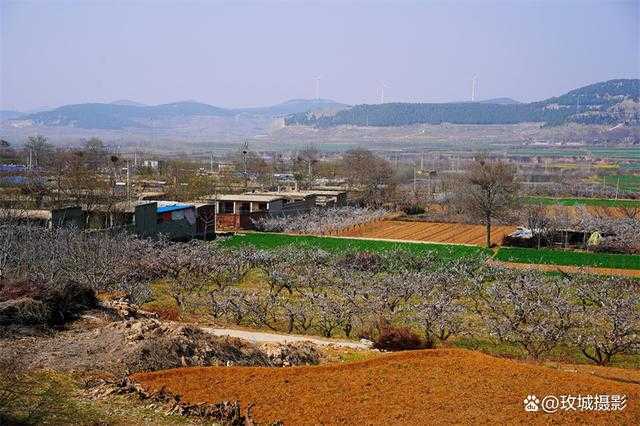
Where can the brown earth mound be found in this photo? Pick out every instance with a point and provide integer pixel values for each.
(147, 344)
(419, 387)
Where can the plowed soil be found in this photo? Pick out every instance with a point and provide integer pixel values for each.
(430, 231)
(440, 386)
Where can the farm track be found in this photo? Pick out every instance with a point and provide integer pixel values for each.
(436, 232)
(262, 337)
(438, 386)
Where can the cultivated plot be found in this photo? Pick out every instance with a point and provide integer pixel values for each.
(454, 233)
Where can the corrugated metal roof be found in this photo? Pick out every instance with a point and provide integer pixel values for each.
(164, 208)
(244, 197)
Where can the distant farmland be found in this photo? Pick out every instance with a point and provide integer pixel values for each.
(572, 202)
(453, 233)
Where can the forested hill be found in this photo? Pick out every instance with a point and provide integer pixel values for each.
(130, 114)
(609, 102)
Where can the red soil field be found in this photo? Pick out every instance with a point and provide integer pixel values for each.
(430, 231)
(417, 387)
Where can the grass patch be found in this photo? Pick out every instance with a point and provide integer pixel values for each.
(568, 258)
(56, 398)
(629, 183)
(273, 240)
(598, 202)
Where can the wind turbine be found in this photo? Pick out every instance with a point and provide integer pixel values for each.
(383, 85)
(318, 78)
(474, 88)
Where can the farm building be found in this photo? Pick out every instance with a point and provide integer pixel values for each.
(320, 197)
(54, 218)
(236, 211)
(176, 220)
(330, 198)
(525, 237)
(295, 202)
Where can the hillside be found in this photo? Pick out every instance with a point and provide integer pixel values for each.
(610, 102)
(500, 101)
(9, 115)
(123, 114)
(118, 116)
(295, 106)
(127, 102)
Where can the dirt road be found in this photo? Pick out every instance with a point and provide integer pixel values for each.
(261, 337)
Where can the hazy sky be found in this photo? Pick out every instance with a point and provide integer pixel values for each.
(248, 53)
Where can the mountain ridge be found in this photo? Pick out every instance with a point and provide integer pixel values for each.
(130, 114)
(609, 102)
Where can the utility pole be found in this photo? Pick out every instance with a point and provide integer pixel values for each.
(128, 184)
(245, 151)
(414, 179)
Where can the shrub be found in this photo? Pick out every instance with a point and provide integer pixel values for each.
(44, 306)
(396, 338)
(23, 311)
(10, 290)
(414, 209)
(362, 261)
(68, 302)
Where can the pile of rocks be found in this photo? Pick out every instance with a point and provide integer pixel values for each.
(224, 412)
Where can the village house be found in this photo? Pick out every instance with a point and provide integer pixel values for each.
(237, 211)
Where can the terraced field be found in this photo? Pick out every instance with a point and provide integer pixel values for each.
(454, 233)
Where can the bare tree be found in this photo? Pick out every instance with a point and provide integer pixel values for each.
(610, 318)
(537, 220)
(440, 310)
(488, 190)
(370, 174)
(39, 150)
(527, 308)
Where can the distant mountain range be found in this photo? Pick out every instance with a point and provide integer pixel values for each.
(609, 102)
(9, 115)
(127, 102)
(295, 106)
(123, 114)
